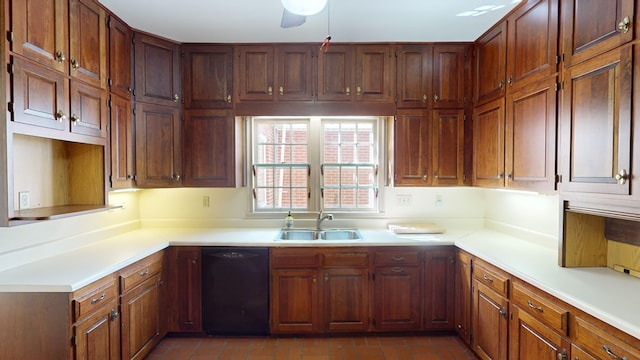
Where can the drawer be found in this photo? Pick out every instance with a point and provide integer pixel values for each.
(346, 259)
(134, 274)
(598, 340)
(492, 277)
(397, 257)
(93, 296)
(541, 308)
(294, 258)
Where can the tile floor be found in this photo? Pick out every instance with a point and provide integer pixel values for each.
(432, 347)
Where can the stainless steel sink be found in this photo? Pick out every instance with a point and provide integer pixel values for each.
(312, 234)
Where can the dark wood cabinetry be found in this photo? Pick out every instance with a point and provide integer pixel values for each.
(157, 70)
(256, 72)
(488, 144)
(463, 296)
(122, 143)
(439, 275)
(449, 76)
(89, 110)
(294, 73)
(414, 76)
(88, 43)
(183, 271)
(490, 65)
(208, 76)
(120, 56)
(335, 73)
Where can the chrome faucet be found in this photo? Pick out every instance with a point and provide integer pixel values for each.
(322, 217)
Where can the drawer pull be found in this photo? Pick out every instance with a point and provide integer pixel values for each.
(397, 270)
(96, 300)
(539, 308)
(487, 278)
(143, 273)
(399, 258)
(611, 353)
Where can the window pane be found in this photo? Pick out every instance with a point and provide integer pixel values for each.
(348, 176)
(331, 199)
(366, 198)
(348, 198)
(366, 176)
(299, 177)
(331, 176)
(299, 154)
(331, 154)
(264, 176)
(300, 198)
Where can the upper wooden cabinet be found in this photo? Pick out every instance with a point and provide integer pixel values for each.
(157, 70)
(593, 27)
(120, 55)
(356, 73)
(122, 142)
(488, 144)
(430, 76)
(88, 42)
(490, 65)
(448, 146)
(208, 76)
(282, 72)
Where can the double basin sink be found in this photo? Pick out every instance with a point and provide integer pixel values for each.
(314, 234)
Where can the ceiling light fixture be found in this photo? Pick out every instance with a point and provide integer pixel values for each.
(304, 7)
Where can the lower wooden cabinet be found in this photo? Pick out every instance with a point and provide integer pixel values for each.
(98, 336)
(531, 339)
(439, 289)
(463, 296)
(294, 300)
(183, 273)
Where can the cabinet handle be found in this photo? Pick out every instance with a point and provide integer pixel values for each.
(531, 305)
(129, 89)
(143, 273)
(176, 98)
(399, 258)
(503, 312)
(509, 176)
(622, 176)
(562, 355)
(397, 270)
(326, 277)
(228, 99)
(315, 279)
(270, 90)
(175, 177)
(435, 175)
(510, 80)
(188, 322)
(113, 314)
(501, 176)
(129, 176)
(75, 119)
(612, 354)
(59, 56)
(501, 84)
(347, 91)
(424, 176)
(97, 300)
(194, 261)
(281, 90)
(487, 278)
(358, 90)
(424, 98)
(60, 115)
(624, 25)
(436, 98)
(75, 64)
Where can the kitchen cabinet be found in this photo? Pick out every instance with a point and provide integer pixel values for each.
(210, 139)
(88, 43)
(183, 271)
(595, 125)
(208, 76)
(439, 275)
(449, 76)
(141, 306)
(282, 72)
(590, 28)
(120, 55)
(490, 312)
(157, 70)
(488, 144)
(89, 114)
(490, 65)
(429, 147)
(356, 73)
(602, 341)
(462, 297)
(397, 303)
(122, 143)
(158, 145)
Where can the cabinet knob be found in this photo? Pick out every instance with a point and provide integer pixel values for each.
(228, 99)
(562, 355)
(129, 89)
(315, 279)
(129, 176)
(60, 115)
(59, 56)
(424, 98)
(436, 98)
(175, 98)
(175, 177)
(510, 80)
(113, 314)
(503, 312)
(75, 64)
(424, 176)
(624, 25)
(281, 90)
(435, 175)
(509, 176)
(358, 90)
(326, 277)
(347, 91)
(270, 90)
(622, 176)
(75, 119)
(501, 84)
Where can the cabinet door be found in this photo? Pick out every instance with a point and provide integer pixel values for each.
(335, 73)
(530, 339)
(448, 76)
(295, 72)
(157, 70)
(208, 76)
(591, 27)
(88, 110)
(448, 147)
(209, 148)
(88, 42)
(530, 136)
(413, 150)
(439, 274)
(158, 146)
(345, 299)
(413, 76)
(532, 51)
(595, 124)
(121, 143)
(120, 54)
(184, 284)
(490, 323)
(490, 64)
(140, 323)
(397, 298)
(578, 354)
(40, 31)
(294, 300)
(374, 77)
(40, 95)
(255, 73)
(488, 144)
(98, 337)
(463, 296)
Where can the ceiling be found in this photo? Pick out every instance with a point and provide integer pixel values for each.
(247, 21)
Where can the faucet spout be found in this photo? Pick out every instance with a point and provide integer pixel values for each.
(322, 217)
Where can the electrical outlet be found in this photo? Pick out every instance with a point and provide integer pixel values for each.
(404, 200)
(438, 200)
(23, 200)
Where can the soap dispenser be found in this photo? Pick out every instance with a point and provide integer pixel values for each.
(288, 221)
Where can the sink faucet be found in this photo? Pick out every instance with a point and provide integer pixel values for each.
(322, 217)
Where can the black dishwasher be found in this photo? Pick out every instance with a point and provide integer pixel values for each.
(235, 290)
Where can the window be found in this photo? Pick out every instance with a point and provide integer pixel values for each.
(316, 163)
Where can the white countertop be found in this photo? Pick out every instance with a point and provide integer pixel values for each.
(601, 292)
